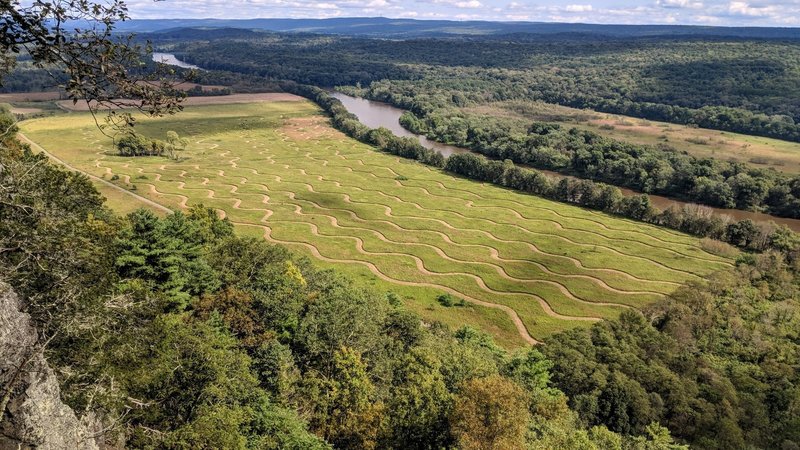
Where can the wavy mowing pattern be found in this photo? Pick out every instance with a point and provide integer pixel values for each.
(547, 265)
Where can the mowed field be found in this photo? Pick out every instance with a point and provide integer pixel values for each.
(780, 155)
(529, 267)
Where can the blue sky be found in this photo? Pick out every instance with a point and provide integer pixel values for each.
(699, 12)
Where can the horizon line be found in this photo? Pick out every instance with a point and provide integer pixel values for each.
(477, 20)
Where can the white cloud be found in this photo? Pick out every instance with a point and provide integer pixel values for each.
(324, 6)
(744, 9)
(468, 4)
(578, 8)
(463, 4)
(689, 4)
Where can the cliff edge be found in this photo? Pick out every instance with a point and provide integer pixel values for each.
(35, 416)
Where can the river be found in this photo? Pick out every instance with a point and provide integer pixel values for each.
(170, 59)
(377, 114)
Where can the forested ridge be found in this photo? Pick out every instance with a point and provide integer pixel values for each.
(713, 83)
(384, 27)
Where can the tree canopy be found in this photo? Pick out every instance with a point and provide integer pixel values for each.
(77, 38)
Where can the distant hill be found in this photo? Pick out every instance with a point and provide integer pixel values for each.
(398, 28)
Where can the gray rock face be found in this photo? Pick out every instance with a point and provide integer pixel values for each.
(35, 416)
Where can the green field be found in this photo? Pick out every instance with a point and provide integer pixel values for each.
(279, 171)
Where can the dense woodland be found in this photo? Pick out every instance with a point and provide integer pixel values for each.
(182, 334)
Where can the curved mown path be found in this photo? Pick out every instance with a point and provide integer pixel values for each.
(546, 265)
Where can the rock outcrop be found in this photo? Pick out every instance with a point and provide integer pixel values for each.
(35, 416)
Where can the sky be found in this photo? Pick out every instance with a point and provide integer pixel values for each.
(693, 12)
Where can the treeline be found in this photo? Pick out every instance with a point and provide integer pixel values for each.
(298, 61)
(133, 144)
(26, 78)
(178, 334)
(199, 91)
(651, 169)
(692, 219)
(725, 118)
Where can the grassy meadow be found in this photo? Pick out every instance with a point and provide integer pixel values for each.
(278, 171)
(783, 156)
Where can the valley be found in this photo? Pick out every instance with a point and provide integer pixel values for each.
(391, 233)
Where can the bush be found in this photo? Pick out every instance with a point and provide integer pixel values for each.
(446, 300)
(718, 248)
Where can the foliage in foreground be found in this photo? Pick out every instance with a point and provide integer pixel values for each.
(717, 365)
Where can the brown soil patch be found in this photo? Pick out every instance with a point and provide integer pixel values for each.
(629, 125)
(210, 100)
(25, 110)
(307, 128)
(186, 85)
(30, 97)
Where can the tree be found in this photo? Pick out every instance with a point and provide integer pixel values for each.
(186, 379)
(77, 37)
(490, 414)
(55, 248)
(419, 404)
(743, 233)
(133, 145)
(168, 253)
(175, 144)
(343, 411)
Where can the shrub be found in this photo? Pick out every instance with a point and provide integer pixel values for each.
(446, 300)
(718, 248)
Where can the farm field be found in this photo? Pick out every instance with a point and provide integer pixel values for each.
(759, 151)
(527, 266)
